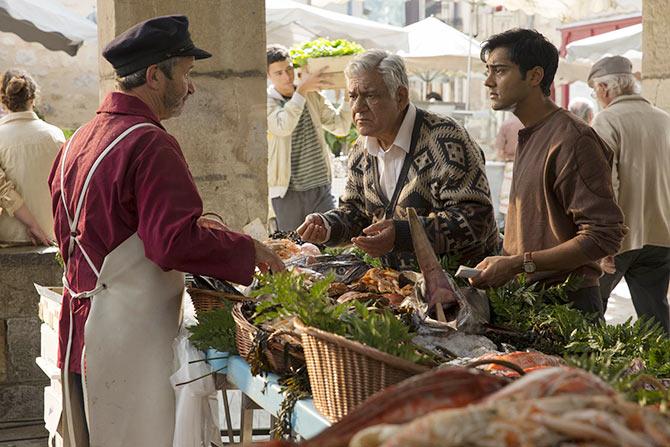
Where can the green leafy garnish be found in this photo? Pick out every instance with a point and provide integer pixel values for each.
(215, 329)
(323, 48)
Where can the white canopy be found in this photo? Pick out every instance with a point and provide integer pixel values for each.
(47, 23)
(289, 22)
(569, 9)
(434, 45)
(624, 42)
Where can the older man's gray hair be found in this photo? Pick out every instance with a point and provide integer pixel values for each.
(582, 108)
(390, 66)
(619, 84)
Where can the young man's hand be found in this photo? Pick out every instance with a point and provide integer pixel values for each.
(378, 239)
(313, 230)
(312, 82)
(496, 271)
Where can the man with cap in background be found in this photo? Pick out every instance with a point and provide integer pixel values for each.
(128, 220)
(639, 135)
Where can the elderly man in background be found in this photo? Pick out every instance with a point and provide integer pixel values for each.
(406, 157)
(582, 108)
(639, 135)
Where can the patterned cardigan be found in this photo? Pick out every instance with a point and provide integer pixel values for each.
(443, 178)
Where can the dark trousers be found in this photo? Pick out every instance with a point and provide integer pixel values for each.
(647, 272)
(588, 301)
(292, 209)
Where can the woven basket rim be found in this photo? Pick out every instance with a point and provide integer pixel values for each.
(368, 351)
(216, 294)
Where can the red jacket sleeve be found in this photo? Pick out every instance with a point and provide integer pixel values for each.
(168, 206)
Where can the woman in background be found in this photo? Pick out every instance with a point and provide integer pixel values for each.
(28, 147)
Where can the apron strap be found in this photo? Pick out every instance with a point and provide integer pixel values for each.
(73, 222)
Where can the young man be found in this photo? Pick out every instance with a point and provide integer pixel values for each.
(406, 157)
(562, 216)
(639, 135)
(299, 172)
(128, 220)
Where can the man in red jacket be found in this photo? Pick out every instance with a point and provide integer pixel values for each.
(128, 220)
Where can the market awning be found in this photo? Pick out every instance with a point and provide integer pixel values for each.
(46, 22)
(624, 42)
(568, 9)
(434, 45)
(289, 22)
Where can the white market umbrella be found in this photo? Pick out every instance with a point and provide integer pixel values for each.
(46, 22)
(434, 45)
(625, 42)
(568, 9)
(289, 22)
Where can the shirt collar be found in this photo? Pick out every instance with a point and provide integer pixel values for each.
(623, 98)
(403, 138)
(13, 116)
(124, 104)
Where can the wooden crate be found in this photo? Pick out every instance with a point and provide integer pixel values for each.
(335, 70)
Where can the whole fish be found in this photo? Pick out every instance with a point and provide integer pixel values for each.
(467, 309)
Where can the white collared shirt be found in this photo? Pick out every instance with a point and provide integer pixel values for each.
(390, 162)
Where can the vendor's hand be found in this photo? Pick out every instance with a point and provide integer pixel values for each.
(496, 271)
(266, 259)
(212, 224)
(312, 82)
(607, 264)
(38, 237)
(379, 238)
(313, 229)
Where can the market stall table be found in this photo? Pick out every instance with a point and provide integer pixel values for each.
(266, 393)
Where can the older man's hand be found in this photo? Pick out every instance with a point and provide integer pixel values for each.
(496, 271)
(313, 230)
(379, 238)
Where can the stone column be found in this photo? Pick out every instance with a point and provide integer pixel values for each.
(655, 47)
(222, 129)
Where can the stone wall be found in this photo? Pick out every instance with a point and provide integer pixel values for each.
(222, 129)
(22, 382)
(68, 94)
(655, 46)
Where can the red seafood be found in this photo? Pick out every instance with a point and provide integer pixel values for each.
(553, 381)
(441, 388)
(526, 360)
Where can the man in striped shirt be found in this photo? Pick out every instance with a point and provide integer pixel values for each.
(299, 168)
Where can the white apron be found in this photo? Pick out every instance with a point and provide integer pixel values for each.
(128, 359)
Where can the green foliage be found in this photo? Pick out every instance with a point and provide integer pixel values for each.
(549, 324)
(369, 260)
(215, 329)
(336, 144)
(67, 132)
(323, 48)
(377, 328)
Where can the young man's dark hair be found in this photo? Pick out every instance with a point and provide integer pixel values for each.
(527, 48)
(277, 53)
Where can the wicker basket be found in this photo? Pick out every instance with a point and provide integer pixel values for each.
(344, 373)
(205, 300)
(282, 356)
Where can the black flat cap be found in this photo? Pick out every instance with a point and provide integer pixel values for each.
(151, 42)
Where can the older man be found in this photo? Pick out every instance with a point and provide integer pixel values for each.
(406, 157)
(562, 216)
(639, 135)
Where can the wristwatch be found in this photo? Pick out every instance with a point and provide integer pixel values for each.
(528, 264)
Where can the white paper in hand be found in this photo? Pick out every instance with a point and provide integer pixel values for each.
(467, 272)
